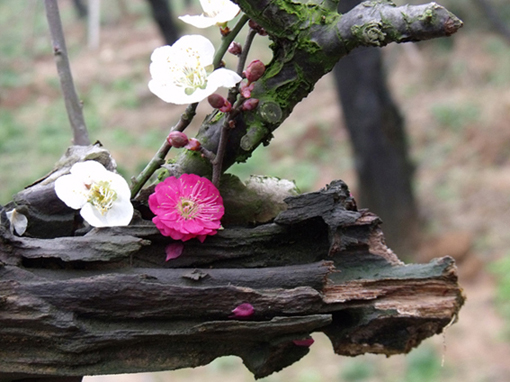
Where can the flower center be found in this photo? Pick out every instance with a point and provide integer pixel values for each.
(188, 208)
(101, 196)
(189, 73)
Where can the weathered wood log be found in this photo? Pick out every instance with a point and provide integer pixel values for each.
(107, 302)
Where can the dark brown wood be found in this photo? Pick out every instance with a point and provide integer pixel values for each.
(107, 302)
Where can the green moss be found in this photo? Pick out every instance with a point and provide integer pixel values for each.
(253, 137)
(270, 112)
(392, 32)
(429, 16)
(370, 34)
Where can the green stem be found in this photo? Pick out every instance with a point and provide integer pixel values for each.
(159, 158)
(226, 40)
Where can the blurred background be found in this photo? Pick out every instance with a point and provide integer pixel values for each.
(453, 95)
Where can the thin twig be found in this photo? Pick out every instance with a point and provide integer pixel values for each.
(73, 105)
(246, 48)
(217, 163)
(226, 40)
(228, 124)
(159, 158)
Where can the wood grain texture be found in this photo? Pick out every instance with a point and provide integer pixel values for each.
(107, 302)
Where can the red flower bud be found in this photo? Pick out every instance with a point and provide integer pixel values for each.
(193, 145)
(226, 108)
(235, 48)
(246, 89)
(257, 28)
(216, 100)
(254, 71)
(177, 139)
(250, 104)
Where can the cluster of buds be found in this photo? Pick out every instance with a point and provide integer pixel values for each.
(178, 140)
(254, 71)
(257, 28)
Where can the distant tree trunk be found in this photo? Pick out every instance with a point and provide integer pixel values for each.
(378, 138)
(162, 14)
(80, 8)
(494, 18)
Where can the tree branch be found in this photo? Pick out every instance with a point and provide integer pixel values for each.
(308, 41)
(73, 105)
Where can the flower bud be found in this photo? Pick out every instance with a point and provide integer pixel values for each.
(246, 89)
(226, 108)
(224, 30)
(193, 145)
(177, 139)
(250, 104)
(254, 71)
(216, 100)
(235, 48)
(257, 28)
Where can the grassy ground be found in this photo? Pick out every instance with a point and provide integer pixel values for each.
(454, 92)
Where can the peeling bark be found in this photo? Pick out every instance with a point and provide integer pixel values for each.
(107, 302)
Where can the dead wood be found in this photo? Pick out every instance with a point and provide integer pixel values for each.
(107, 302)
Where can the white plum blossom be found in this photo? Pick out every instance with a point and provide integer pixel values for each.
(216, 12)
(18, 222)
(102, 196)
(183, 73)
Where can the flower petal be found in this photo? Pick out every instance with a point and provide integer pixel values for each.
(307, 342)
(71, 190)
(216, 12)
(174, 250)
(18, 222)
(198, 21)
(243, 311)
(223, 78)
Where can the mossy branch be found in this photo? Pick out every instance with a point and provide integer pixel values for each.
(309, 39)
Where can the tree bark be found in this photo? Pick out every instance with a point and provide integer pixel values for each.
(378, 138)
(107, 302)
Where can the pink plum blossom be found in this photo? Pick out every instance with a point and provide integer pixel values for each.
(187, 207)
